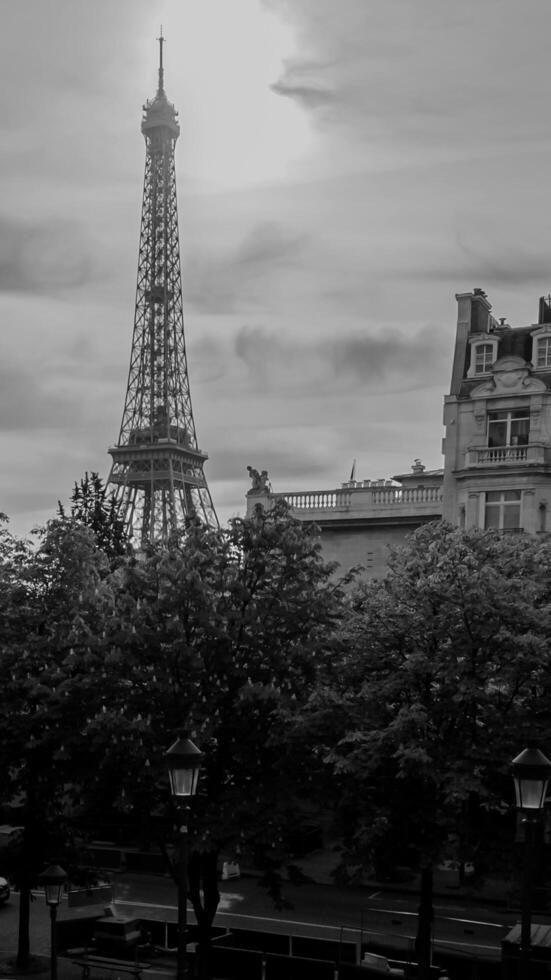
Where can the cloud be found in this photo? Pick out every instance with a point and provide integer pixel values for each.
(28, 402)
(267, 244)
(287, 462)
(299, 81)
(45, 257)
(482, 258)
(309, 365)
(508, 264)
(425, 72)
(240, 277)
(399, 156)
(20, 501)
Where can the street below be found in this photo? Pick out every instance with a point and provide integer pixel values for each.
(325, 911)
(360, 914)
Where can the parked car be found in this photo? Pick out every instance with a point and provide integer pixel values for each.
(4, 890)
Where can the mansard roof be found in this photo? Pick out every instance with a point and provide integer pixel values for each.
(518, 342)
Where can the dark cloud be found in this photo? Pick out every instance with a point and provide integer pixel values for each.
(236, 280)
(44, 258)
(300, 80)
(304, 366)
(268, 244)
(388, 354)
(308, 96)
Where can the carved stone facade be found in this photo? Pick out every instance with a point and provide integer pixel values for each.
(497, 450)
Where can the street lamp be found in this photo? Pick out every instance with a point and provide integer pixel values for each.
(183, 763)
(53, 879)
(531, 772)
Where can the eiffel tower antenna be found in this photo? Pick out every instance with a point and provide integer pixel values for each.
(161, 41)
(157, 469)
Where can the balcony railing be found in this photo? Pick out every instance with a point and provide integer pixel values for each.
(533, 453)
(503, 454)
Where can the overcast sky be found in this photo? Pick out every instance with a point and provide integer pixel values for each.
(344, 168)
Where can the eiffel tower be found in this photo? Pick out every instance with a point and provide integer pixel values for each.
(157, 470)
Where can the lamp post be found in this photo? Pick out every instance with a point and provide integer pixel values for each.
(183, 762)
(531, 772)
(53, 879)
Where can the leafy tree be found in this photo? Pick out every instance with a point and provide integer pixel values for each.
(222, 633)
(94, 507)
(50, 598)
(445, 674)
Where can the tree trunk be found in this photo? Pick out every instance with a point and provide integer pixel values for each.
(423, 940)
(24, 944)
(29, 858)
(203, 877)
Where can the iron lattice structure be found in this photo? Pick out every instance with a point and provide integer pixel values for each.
(157, 468)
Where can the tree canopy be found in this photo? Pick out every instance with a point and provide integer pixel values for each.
(445, 672)
(93, 506)
(399, 704)
(220, 633)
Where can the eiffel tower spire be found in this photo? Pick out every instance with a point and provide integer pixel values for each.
(157, 470)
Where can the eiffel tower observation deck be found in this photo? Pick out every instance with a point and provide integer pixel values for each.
(157, 470)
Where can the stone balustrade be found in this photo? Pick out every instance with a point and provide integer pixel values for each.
(363, 498)
(533, 453)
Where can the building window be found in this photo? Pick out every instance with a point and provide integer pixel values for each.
(483, 358)
(509, 428)
(543, 356)
(502, 510)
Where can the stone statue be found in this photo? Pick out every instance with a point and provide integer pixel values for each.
(259, 481)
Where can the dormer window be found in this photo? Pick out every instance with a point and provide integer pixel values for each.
(541, 347)
(483, 358)
(483, 354)
(543, 352)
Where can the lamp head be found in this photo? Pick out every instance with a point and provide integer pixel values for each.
(53, 879)
(183, 760)
(531, 772)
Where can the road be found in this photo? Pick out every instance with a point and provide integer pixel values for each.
(322, 911)
(327, 911)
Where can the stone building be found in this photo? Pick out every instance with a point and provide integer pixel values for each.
(497, 450)
(361, 519)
